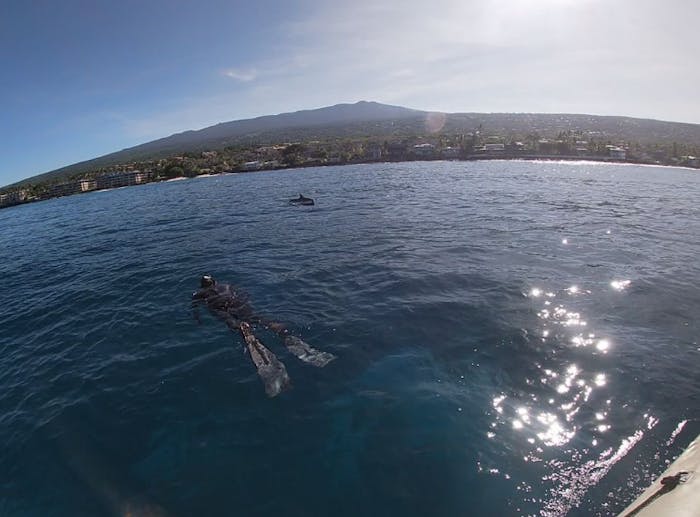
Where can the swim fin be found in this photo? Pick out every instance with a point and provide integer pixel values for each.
(306, 352)
(270, 369)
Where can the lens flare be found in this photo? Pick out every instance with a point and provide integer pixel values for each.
(434, 122)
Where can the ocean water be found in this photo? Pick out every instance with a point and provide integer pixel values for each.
(513, 338)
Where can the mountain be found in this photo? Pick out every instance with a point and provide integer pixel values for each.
(229, 132)
(372, 119)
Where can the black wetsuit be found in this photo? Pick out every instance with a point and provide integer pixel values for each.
(231, 305)
(226, 303)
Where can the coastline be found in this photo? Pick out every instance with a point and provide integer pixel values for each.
(471, 158)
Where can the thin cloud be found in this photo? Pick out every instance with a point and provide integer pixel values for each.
(549, 55)
(244, 76)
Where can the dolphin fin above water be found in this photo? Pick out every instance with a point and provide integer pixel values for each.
(302, 200)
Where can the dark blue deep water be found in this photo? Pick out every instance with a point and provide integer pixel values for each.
(512, 339)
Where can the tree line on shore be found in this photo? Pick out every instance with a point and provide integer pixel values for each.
(338, 151)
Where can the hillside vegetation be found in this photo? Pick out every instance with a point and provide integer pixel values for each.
(371, 120)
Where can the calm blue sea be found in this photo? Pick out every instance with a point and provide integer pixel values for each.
(513, 338)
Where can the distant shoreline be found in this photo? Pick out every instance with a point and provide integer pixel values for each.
(473, 158)
(478, 158)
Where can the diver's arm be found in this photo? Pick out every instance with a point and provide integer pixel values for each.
(198, 297)
(200, 294)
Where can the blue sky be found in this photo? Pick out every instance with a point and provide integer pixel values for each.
(84, 78)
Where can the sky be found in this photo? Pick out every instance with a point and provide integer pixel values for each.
(83, 78)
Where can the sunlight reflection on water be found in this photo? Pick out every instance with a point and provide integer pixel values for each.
(560, 404)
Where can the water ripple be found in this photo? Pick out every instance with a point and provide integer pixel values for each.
(513, 339)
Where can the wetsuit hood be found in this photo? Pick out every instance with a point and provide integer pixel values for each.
(207, 281)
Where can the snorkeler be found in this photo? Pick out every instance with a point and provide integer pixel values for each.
(231, 306)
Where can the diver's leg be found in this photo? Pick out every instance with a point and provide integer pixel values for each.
(275, 326)
(232, 323)
(270, 369)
